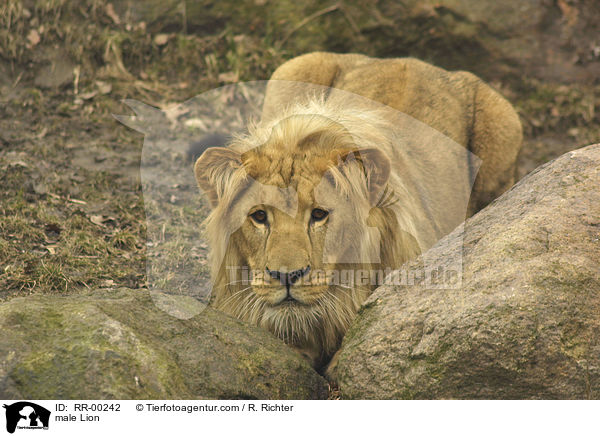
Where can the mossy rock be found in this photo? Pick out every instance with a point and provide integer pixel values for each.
(524, 323)
(120, 345)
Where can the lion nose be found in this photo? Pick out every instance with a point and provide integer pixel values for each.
(290, 278)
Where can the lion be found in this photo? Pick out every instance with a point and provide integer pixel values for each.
(322, 185)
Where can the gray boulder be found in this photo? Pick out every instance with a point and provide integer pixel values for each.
(524, 322)
(119, 344)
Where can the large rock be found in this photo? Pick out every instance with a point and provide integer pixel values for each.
(120, 345)
(525, 322)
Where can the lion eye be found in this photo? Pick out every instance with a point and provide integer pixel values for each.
(260, 216)
(319, 214)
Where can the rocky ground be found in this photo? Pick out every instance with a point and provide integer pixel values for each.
(72, 216)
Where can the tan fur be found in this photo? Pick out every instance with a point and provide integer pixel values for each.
(320, 152)
(458, 104)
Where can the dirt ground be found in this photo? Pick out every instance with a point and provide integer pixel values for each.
(72, 215)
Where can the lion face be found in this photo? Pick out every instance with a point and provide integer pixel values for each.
(294, 220)
(295, 230)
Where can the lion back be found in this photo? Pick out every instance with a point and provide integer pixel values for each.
(457, 104)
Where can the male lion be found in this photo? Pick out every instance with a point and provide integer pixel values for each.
(330, 181)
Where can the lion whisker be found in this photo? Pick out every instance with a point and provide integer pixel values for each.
(236, 295)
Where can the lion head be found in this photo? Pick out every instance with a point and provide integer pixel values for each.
(303, 211)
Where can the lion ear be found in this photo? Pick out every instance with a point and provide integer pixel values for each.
(213, 168)
(377, 167)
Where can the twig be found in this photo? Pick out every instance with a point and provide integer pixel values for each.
(76, 73)
(308, 19)
(184, 17)
(16, 82)
(350, 19)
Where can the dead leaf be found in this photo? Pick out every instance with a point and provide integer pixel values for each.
(228, 77)
(42, 133)
(51, 248)
(196, 123)
(97, 219)
(161, 39)
(33, 37)
(18, 163)
(88, 95)
(103, 220)
(103, 87)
